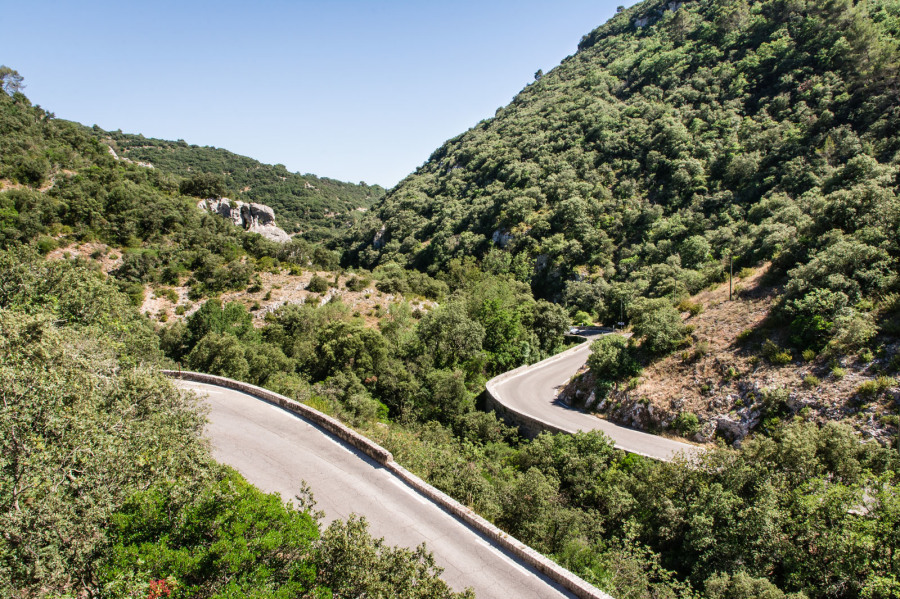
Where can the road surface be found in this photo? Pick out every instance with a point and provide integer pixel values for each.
(275, 450)
(533, 392)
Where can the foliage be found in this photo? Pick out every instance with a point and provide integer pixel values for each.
(317, 206)
(318, 284)
(687, 424)
(612, 361)
(657, 324)
(679, 136)
(106, 484)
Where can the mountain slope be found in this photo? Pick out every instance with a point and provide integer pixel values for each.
(678, 134)
(318, 207)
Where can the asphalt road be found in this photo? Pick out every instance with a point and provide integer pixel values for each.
(533, 392)
(275, 450)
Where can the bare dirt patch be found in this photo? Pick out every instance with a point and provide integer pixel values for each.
(277, 289)
(723, 380)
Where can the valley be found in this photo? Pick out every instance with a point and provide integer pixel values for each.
(716, 180)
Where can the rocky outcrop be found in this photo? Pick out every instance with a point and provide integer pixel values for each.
(255, 218)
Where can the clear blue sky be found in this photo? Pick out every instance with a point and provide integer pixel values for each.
(349, 89)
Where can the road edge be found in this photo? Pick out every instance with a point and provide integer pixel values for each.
(520, 550)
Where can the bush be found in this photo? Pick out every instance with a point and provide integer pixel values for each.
(45, 245)
(658, 324)
(318, 284)
(357, 284)
(810, 381)
(582, 319)
(687, 424)
(693, 308)
(870, 390)
(611, 359)
(809, 355)
(775, 354)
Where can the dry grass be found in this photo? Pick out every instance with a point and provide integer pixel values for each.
(727, 374)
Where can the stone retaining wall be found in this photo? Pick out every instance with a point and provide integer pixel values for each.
(528, 425)
(525, 554)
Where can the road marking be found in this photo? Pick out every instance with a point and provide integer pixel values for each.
(412, 492)
(511, 561)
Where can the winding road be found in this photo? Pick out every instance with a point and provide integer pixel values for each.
(275, 450)
(532, 391)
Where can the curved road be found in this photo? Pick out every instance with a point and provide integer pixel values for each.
(275, 450)
(532, 391)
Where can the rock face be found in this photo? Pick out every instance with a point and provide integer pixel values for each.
(256, 218)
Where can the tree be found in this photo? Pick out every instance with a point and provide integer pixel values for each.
(550, 324)
(203, 185)
(611, 358)
(10, 80)
(658, 324)
(450, 336)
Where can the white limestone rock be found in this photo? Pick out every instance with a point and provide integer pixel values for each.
(255, 218)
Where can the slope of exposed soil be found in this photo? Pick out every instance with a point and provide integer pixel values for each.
(723, 379)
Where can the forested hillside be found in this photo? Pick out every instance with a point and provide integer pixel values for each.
(679, 134)
(319, 208)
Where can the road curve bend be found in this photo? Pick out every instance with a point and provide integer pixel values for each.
(275, 449)
(531, 392)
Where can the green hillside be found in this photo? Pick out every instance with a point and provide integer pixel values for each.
(317, 207)
(679, 134)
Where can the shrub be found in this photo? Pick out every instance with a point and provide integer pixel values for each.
(357, 284)
(809, 355)
(582, 319)
(838, 372)
(658, 324)
(852, 330)
(810, 381)
(871, 389)
(318, 285)
(611, 358)
(687, 424)
(168, 294)
(775, 354)
(744, 335)
(45, 245)
(693, 308)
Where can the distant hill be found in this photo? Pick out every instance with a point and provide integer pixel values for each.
(680, 133)
(317, 207)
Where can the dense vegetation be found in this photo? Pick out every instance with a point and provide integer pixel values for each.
(318, 207)
(415, 366)
(681, 134)
(678, 136)
(65, 187)
(808, 513)
(106, 487)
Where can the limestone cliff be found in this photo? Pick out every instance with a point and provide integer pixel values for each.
(256, 218)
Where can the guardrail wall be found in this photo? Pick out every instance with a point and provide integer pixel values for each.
(526, 554)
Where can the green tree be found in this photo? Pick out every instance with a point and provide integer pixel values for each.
(658, 325)
(450, 336)
(10, 80)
